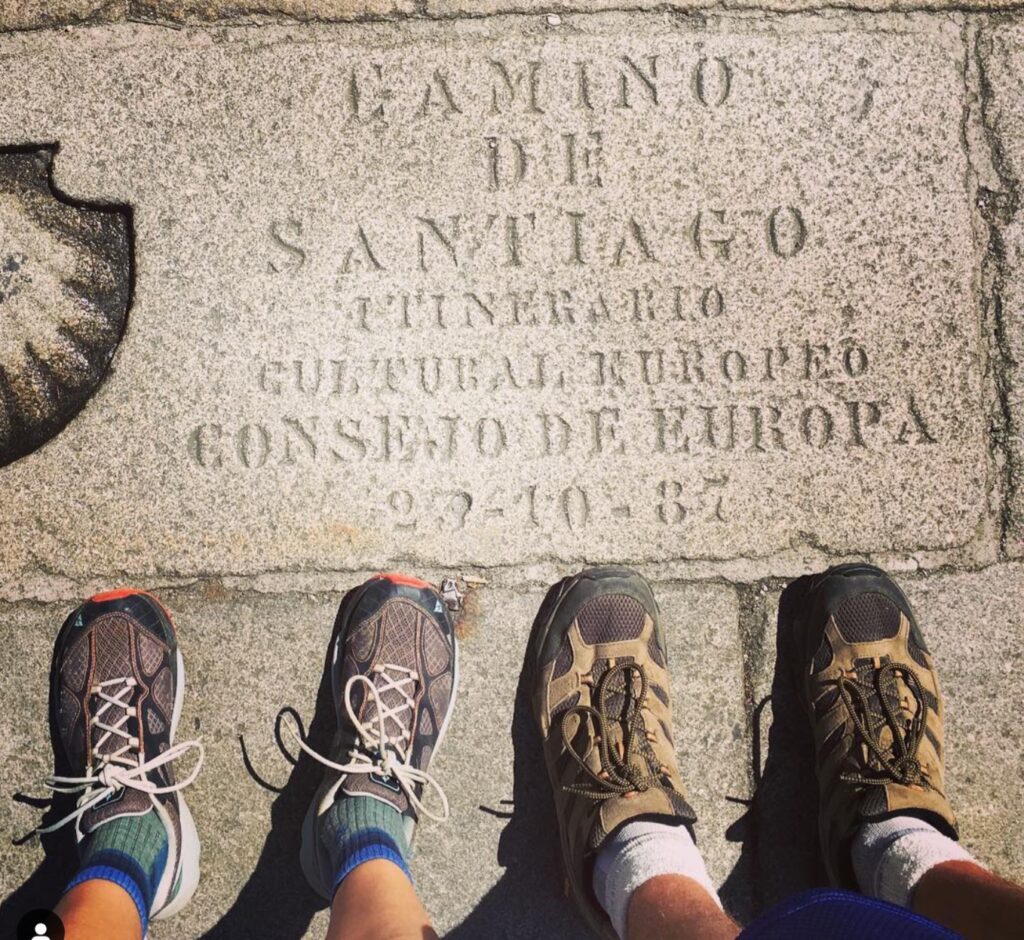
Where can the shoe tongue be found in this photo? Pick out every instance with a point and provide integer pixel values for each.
(391, 699)
(894, 692)
(619, 712)
(382, 788)
(125, 802)
(112, 637)
(396, 728)
(638, 759)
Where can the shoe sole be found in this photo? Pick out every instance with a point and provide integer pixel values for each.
(190, 847)
(309, 856)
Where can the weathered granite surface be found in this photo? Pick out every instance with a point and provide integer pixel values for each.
(644, 232)
(179, 11)
(37, 14)
(558, 7)
(40, 14)
(624, 290)
(481, 874)
(1001, 57)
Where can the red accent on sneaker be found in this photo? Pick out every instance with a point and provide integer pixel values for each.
(396, 578)
(130, 592)
(115, 595)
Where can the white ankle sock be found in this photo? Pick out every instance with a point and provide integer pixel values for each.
(890, 857)
(638, 852)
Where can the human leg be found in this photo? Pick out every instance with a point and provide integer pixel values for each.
(601, 700)
(377, 901)
(394, 672)
(115, 700)
(670, 907)
(99, 910)
(970, 900)
(872, 693)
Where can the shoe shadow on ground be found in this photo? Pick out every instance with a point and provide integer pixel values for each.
(44, 886)
(277, 901)
(529, 901)
(779, 831)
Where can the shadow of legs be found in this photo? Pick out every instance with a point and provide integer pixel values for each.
(530, 899)
(779, 831)
(737, 891)
(277, 901)
(785, 807)
(45, 885)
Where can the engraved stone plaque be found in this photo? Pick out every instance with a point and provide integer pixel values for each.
(618, 290)
(65, 280)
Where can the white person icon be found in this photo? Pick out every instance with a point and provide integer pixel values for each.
(40, 925)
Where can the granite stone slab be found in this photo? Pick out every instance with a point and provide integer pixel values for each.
(559, 7)
(1001, 54)
(493, 293)
(491, 871)
(40, 14)
(233, 11)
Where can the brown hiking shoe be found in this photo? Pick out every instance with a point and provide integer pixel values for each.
(871, 691)
(601, 699)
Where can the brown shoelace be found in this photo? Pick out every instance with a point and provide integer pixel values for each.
(618, 774)
(898, 763)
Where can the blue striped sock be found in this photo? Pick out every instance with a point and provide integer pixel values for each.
(358, 829)
(131, 852)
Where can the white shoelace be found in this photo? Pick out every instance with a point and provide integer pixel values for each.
(115, 770)
(376, 740)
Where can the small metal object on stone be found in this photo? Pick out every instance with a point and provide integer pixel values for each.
(452, 595)
(65, 285)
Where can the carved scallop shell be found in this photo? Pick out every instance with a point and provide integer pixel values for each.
(65, 289)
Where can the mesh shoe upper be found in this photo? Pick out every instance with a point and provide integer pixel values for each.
(393, 676)
(402, 637)
(603, 707)
(101, 643)
(876, 710)
(113, 700)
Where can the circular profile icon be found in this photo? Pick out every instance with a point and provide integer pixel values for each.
(40, 925)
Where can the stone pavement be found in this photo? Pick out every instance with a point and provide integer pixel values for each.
(726, 294)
